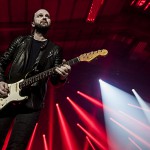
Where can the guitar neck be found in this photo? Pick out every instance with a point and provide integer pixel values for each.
(43, 75)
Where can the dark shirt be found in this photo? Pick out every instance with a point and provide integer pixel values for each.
(34, 52)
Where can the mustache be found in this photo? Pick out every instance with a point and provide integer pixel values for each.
(45, 21)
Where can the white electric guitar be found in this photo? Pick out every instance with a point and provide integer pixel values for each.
(15, 88)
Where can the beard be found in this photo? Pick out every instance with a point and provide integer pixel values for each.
(41, 29)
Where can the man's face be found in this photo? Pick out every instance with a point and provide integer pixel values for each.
(41, 19)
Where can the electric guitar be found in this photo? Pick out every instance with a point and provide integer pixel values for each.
(15, 88)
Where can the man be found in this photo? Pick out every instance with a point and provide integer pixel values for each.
(26, 54)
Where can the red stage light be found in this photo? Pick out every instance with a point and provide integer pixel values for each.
(67, 136)
(136, 121)
(32, 137)
(91, 99)
(50, 95)
(89, 120)
(135, 144)
(7, 137)
(90, 143)
(133, 1)
(131, 133)
(141, 3)
(86, 145)
(100, 145)
(45, 142)
(147, 6)
(96, 5)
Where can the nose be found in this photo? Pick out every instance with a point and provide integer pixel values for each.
(44, 17)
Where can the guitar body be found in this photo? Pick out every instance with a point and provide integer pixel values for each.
(13, 96)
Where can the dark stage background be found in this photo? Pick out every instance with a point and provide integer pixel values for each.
(121, 28)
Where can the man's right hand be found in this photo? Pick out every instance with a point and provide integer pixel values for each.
(4, 89)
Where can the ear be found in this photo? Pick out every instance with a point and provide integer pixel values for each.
(33, 24)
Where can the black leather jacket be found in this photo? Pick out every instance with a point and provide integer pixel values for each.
(17, 56)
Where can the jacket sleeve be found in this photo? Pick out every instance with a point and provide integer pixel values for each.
(55, 78)
(7, 57)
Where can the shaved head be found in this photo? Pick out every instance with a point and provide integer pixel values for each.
(41, 11)
(41, 21)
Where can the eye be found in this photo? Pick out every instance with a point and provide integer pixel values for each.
(47, 16)
(40, 15)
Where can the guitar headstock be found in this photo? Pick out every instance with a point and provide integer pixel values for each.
(91, 55)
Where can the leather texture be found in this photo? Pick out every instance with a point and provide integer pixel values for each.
(17, 56)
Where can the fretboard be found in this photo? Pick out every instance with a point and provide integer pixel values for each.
(42, 75)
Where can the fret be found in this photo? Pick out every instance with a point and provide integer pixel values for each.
(29, 80)
(73, 61)
(50, 72)
(44, 74)
(40, 75)
(36, 78)
(21, 84)
(53, 70)
(26, 83)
